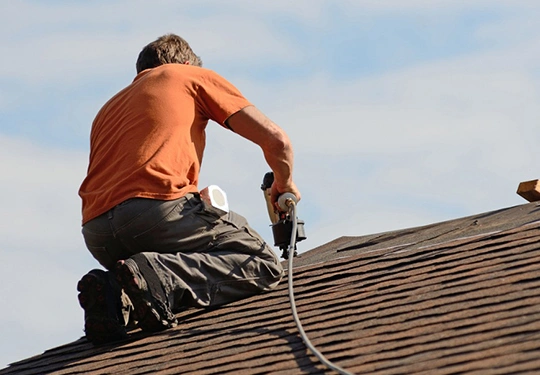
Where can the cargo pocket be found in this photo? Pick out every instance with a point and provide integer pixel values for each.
(210, 214)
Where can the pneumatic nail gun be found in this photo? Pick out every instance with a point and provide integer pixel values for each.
(282, 222)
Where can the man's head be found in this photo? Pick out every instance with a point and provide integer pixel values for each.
(167, 49)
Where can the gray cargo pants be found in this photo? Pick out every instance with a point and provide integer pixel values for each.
(202, 255)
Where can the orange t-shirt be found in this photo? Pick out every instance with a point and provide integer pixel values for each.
(148, 140)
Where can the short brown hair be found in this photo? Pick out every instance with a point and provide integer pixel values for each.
(167, 49)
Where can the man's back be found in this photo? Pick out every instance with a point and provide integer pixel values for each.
(148, 140)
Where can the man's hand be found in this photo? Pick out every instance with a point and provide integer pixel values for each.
(276, 192)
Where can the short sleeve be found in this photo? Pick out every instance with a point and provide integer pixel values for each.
(217, 98)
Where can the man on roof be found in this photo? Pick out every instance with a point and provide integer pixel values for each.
(165, 248)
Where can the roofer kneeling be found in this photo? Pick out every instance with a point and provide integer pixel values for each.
(164, 248)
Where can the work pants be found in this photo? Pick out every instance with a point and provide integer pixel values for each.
(202, 256)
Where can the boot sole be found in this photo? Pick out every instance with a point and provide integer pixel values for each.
(93, 297)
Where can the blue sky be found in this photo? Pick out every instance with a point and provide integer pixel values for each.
(402, 113)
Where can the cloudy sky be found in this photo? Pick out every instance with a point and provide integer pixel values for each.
(402, 113)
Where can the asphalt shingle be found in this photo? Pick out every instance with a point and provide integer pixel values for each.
(456, 297)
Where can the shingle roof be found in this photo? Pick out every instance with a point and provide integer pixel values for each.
(462, 296)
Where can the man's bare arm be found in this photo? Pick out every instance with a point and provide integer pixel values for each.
(252, 124)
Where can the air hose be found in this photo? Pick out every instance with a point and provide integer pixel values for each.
(291, 204)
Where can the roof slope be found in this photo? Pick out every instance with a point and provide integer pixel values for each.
(462, 296)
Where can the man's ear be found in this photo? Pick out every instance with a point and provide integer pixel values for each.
(186, 63)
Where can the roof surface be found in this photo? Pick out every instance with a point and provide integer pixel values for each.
(461, 296)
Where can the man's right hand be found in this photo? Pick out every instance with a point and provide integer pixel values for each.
(276, 192)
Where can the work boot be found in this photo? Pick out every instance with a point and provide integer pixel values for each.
(100, 297)
(140, 283)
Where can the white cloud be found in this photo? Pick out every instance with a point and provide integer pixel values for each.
(67, 43)
(43, 254)
(39, 190)
(40, 298)
(78, 40)
(424, 6)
